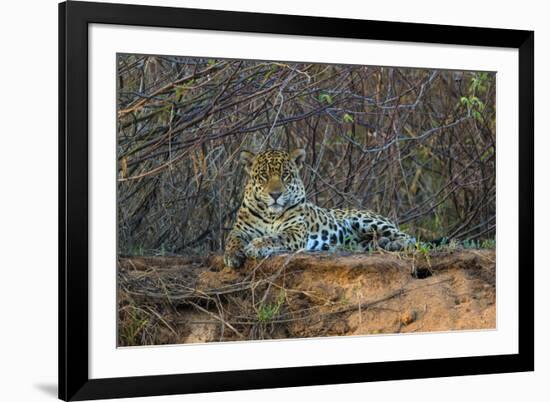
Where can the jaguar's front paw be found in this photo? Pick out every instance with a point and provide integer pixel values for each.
(233, 260)
(257, 248)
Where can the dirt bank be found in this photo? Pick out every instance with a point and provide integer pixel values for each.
(181, 300)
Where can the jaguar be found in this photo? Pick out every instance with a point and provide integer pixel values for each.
(275, 216)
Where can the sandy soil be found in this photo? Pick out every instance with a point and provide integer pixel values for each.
(183, 300)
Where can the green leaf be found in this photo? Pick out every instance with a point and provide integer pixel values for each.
(348, 118)
(325, 98)
(487, 154)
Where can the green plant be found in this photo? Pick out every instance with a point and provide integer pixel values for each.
(180, 90)
(453, 245)
(131, 326)
(424, 248)
(470, 244)
(324, 97)
(444, 241)
(348, 118)
(137, 250)
(473, 104)
(267, 312)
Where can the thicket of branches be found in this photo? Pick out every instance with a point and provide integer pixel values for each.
(416, 145)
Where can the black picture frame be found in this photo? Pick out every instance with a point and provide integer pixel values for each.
(74, 381)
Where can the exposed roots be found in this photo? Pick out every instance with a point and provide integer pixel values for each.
(182, 300)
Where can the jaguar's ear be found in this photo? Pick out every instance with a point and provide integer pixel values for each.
(247, 158)
(298, 156)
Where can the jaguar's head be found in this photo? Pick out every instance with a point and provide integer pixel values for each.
(274, 182)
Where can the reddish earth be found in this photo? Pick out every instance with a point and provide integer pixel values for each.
(184, 300)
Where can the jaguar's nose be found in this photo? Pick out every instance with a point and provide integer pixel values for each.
(275, 195)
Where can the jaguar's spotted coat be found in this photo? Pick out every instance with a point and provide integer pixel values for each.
(276, 218)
